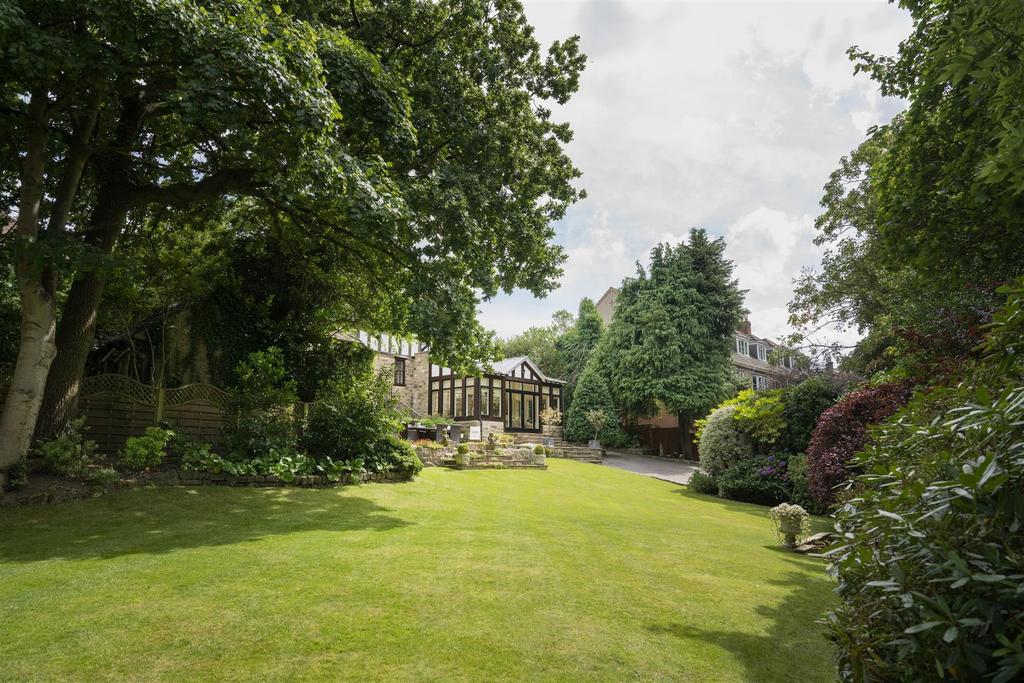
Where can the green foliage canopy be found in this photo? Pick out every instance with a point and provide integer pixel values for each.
(670, 341)
(540, 343)
(924, 220)
(578, 344)
(413, 139)
(592, 394)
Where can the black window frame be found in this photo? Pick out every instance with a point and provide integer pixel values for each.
(399, 372)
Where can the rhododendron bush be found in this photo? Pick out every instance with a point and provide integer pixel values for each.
(842, 430)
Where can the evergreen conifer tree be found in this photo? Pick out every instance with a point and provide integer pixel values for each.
(669, 346)
(592, 393)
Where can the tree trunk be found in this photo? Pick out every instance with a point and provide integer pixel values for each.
(685, 443)
(35, 354)
(36, 288)
(77, 328)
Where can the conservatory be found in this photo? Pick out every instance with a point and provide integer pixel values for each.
(509, 399)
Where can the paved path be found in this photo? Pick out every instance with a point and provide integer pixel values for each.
(660, 468)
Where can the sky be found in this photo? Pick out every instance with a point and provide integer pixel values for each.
(723, 115)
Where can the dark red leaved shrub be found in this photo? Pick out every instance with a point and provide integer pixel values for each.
(841, 432)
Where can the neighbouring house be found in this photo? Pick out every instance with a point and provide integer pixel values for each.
(507, 398)
(761, 361)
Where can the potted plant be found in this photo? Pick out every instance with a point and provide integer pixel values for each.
(791, 522)
(539, 455)
(462, 455)
(597, 419)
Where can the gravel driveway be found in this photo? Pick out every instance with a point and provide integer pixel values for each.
(675, 471)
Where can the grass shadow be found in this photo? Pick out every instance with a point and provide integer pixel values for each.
(818, 522)
(162, 520)
(781, 651)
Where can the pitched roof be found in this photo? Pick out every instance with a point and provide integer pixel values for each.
(507, 365)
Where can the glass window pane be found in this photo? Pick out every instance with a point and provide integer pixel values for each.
(485, 400)
(470, 398)
(496, 402)
(515, 410)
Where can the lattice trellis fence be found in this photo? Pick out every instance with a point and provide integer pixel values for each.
(116, 407)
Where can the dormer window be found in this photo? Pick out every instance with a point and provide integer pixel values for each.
(742, 346)
(762, 352)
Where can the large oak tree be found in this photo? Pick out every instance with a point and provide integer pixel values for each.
(412, 138)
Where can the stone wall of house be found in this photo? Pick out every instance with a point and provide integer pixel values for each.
(417, 368)
(417, 378)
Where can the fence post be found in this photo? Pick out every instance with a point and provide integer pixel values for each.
(158, 412)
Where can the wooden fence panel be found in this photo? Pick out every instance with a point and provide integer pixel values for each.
(197, 420)
(116, 407)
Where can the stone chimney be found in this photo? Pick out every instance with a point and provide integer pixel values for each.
(745, 327)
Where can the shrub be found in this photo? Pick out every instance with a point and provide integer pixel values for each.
(395, 455)
(551, 416)
(17, 475)
(143, 452)
(359, 420)
(930, 577)
(70, 453)
(929, 574)
(352, 419)
(760, 414)
(591, 396)
(759, 479)
(539, 449)
(723, 442)
(104, 477)
(197, 457)
(796, 469)
(791, 522)
(842, 430)
(803, 405)
(463, 448)
(261, 416)
(701, 482)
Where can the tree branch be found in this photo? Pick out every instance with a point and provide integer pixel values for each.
(183, 195)
(78, 154)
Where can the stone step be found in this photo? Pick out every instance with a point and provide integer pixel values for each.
(817, 542)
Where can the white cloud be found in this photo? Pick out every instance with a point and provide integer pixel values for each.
(725, 115)
(769, 248)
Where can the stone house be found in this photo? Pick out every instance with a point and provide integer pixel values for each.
(509, 397)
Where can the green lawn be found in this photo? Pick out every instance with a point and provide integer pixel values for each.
(577, 573)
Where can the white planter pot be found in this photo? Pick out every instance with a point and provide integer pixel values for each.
(594, 443)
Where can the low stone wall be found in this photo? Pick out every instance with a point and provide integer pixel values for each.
(50, 490)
